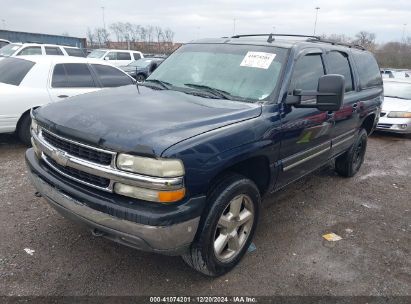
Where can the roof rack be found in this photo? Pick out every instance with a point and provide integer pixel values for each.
(310, 38)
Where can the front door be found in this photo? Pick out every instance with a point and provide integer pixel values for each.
(305, 133)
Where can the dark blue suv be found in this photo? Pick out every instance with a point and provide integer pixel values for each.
(179, 164)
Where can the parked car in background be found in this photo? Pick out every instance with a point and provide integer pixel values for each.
(25, 49)
(116, 57)
(31, 81)
(396, 108)
(180, 165)
(142, 68)
(393, 73)
(3, 43)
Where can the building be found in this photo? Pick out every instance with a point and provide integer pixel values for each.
(42, 38)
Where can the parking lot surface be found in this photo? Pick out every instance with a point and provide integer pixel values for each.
(371, 212)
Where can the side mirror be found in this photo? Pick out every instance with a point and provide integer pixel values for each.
(330, 94)
(106, 58)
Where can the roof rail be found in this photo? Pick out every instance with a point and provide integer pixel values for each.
(276, 35)
(310, 38)
(350, 45)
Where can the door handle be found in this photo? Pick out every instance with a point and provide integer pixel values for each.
(63, 96)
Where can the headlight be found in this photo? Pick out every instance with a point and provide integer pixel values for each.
(34, 126)
(399, 114)
(149, 194)
(150, 166)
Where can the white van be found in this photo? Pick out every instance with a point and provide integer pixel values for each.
(116, 57)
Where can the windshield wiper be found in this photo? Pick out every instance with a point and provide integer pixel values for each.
(398, 97)
(217, 92)
(165, 85)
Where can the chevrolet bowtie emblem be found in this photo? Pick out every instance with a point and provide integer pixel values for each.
(60, 158)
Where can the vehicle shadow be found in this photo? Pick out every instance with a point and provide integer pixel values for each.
(10, 140)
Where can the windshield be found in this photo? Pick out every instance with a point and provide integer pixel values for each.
(141, 63)
(248, 72)
(397, 89)
(9, 50)
(96, 54)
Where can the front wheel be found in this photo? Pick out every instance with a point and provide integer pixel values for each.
(23, 130)
(350, 162)
(227, 230)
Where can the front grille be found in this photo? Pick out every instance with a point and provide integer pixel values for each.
(80, 175)
(78, 150)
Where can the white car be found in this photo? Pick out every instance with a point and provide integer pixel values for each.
(396, 109)
(25, 49)
(28, 82)
(3, 43)
(116, 57)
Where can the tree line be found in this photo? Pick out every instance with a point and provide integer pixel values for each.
(393, 54)
(148, 39)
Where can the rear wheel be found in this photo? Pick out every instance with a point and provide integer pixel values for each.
(227, 230)
(350, 162)
(23, 130)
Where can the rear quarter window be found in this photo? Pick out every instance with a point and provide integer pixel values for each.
(368, 70)
(75, 52)
(13, 70)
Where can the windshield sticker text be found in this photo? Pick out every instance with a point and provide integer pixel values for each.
(258, 60)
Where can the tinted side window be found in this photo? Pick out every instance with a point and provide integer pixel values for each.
(75, 52)
(368, 69)
(111, 77)
(136, 56)
(72, 75)
(307, 71)
(13, 70)
(30, 50)
(338, 64)
(53, 51)
(112, 56)
(123, 56)
(59, 79)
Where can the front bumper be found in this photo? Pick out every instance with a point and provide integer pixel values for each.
(170, 239)
(396, 125)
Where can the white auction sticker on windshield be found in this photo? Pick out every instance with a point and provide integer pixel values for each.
(258, 60)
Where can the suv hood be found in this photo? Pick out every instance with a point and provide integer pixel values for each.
(148, 122)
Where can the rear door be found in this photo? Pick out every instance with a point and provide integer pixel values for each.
(305, 133)
(71, 79)
(346, 119)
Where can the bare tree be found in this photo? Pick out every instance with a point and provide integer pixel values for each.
(90, 37)
(160, 37)
(366, 40)
(102, 36)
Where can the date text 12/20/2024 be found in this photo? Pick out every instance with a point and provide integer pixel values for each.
(204, 299)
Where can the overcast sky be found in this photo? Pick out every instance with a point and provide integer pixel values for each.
(213, 18)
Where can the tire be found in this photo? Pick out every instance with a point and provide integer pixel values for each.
(219, 226)
(23, 131)
(140, 78)
(350, 162)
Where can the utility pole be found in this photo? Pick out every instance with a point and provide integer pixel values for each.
(104, 18)
(316, 16)
(234, 21)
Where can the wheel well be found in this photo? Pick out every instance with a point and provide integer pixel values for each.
(21, 118)
(368, 123)
(257, 169)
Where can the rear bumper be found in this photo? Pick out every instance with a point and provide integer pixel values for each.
(170, 239)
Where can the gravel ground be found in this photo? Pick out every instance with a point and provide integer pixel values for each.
(371, 212)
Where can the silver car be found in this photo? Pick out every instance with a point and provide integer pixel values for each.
(396, 109)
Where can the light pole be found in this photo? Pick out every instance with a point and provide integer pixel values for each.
(316, 16)
(403, 32)
(234, 21)
(104, 18)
